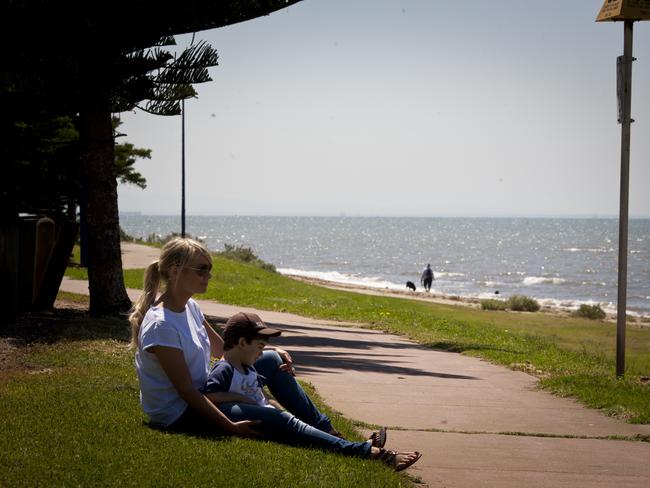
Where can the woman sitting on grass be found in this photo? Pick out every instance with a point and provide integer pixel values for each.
(174, 344)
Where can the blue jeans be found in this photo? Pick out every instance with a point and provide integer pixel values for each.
(286, 390)
(283, 427)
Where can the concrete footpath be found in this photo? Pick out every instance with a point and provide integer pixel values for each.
(476, 424)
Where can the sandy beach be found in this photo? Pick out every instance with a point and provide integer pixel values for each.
(416, 295)
(411, 295)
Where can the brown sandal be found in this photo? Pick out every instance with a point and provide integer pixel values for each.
(389, 458)
(378, 439)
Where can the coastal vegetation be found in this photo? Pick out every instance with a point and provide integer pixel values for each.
(516, 303)
(245, 255)
(522, 303)
(241, 254)
(591, 312)
(153, 239)
(493, 304)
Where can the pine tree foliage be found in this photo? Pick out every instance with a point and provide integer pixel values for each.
(126, 155)
(155, 81)
(43, 169)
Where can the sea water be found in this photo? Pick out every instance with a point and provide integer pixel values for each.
(561, 262)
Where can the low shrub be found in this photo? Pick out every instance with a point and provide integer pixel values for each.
(153, 239)
(124, 237)
(593, 312)
(245, 255)
(522, 303)
(158, 240)
(493, 304)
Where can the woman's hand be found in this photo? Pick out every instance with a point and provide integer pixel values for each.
(173, 364)
(246, 428)
(275, 404)
(287, 365)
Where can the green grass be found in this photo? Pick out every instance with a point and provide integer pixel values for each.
(573, 356)
(74, 419)
(73, 297)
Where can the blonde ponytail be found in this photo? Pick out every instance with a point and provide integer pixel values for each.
(151, 285)
(177, 252)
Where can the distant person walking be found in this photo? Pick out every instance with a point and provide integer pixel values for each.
(427, 278)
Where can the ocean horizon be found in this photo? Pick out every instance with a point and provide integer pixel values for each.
(352, 215)
(561, 261)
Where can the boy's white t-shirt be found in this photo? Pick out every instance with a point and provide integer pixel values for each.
(181, 330)
(224, 377)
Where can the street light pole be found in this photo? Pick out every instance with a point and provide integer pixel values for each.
(182, 168)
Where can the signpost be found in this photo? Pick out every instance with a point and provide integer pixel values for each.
(628, 11)
(624, 10)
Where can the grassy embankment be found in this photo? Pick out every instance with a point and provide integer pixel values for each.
(71, 417)
(572, 356)
(75, 420)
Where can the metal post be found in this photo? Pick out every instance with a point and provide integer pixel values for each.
(183, 168)
(623, 214)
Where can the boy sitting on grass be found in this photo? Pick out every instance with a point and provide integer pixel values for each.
(237, 390)
(233, 378)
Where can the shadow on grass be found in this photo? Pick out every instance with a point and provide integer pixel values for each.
(201, 430)
(65, 324)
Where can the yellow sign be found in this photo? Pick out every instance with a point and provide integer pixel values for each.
(624, 10)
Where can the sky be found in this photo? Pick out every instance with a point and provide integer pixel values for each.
(421, 108)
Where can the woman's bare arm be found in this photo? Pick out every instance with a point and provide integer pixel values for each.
(228, 397)
(216, 342)
(173, 364)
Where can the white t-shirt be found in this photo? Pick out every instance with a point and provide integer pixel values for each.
(180, 330)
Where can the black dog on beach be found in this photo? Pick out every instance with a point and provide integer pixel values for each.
(410, 285)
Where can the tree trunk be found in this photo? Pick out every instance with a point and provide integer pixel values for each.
(106, 283)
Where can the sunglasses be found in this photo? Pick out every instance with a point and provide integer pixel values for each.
(202, 271)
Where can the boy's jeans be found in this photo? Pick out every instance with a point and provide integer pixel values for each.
(306, 427)
(283, 427)
(286, 390)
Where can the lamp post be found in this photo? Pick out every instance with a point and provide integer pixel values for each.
(629, 12)
(183, 168)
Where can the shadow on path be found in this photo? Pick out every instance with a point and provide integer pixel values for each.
(220, 321)
(320, 356)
